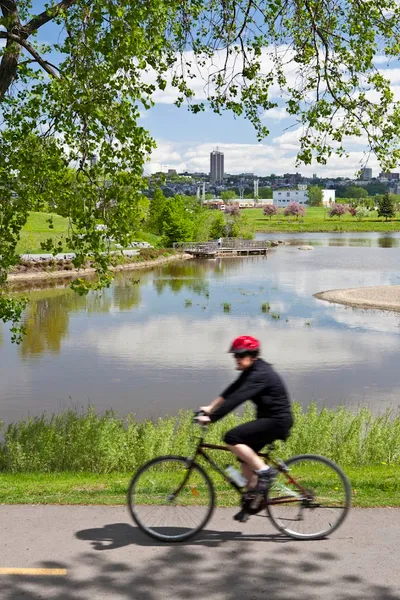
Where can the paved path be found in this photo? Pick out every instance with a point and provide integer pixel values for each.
(99, 554)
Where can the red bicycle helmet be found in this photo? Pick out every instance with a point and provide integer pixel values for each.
(244, 344)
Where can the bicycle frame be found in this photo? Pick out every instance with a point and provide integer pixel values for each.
(278, 465)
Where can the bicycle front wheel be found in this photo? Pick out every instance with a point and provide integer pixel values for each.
(170, 499)
(313, 501)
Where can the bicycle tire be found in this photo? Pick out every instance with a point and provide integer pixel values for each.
(154, 486)
(329, 477)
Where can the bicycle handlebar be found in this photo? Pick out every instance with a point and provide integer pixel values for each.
(199, 413)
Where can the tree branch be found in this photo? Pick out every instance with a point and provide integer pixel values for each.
(47, 15)
(31, 50)
(8, 7)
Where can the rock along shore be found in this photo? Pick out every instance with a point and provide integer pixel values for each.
(36, 275)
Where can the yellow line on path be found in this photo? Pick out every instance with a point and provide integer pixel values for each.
(53, 572)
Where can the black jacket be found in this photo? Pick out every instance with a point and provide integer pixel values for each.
(261, 384)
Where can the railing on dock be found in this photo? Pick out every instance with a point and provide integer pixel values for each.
(227, 244)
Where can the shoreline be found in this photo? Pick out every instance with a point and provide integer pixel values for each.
(302, 229)
(383, 297)
(29, 276)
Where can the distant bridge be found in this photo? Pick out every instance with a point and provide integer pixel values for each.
(229, 247)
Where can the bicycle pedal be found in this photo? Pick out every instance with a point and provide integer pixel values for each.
(242, 516)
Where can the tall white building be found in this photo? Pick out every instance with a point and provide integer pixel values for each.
(216, 166)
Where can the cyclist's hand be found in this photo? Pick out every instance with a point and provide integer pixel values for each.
(203, 420)
(206, 409)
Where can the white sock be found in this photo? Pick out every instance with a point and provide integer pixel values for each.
(263, 470)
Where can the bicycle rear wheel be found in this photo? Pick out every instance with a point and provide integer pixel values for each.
(171, 500)
(314, 502)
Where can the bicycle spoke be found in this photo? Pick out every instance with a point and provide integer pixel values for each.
(173, 515)
(314, 503)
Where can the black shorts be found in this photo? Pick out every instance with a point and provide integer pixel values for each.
(258, 433)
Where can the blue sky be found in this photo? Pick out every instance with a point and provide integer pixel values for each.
(185, 140)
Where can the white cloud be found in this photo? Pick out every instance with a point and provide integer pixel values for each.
(276, 114)
(168, 344)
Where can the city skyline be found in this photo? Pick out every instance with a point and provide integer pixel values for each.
(256, 158)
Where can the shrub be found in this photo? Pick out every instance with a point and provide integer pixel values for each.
(270, 210)
(233, 210)
(337, 210)
(294, 209)
(362, 213)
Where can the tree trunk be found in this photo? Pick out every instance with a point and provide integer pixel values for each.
(9, 66)
(9, 61)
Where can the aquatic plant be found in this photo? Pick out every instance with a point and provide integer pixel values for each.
(275, 316)
(265, 307)
(188, 303)
(226, 306)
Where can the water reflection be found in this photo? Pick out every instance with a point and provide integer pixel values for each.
(366, 240)
(47, 317)
(136, 347)
(47, 320)
(388, 242)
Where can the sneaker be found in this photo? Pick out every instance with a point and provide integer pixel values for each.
(242, 516)
(264, 482)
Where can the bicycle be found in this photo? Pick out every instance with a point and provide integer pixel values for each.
(171, 498)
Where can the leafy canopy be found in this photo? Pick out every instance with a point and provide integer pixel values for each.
(63, 102)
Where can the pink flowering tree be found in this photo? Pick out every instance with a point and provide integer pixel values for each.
(337, 210)
(294, 210)
(353, 211)
(270, 210)
(232, 209)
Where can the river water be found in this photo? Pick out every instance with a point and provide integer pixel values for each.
(157, 340)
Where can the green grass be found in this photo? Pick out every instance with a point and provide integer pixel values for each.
(84, 458)
(316, 219)
(372, 487)
(37, 230)
(86, 442)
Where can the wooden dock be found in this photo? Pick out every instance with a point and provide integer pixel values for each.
(229, 247)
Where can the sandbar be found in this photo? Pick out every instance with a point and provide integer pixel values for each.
(381, 297)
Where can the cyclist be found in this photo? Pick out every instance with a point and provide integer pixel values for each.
(260, 383)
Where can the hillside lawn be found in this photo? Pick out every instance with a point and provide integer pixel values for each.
(317, 219)
(37, 230)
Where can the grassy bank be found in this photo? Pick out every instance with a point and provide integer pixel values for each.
(37, 231)
(316, 220)
(84, 458)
